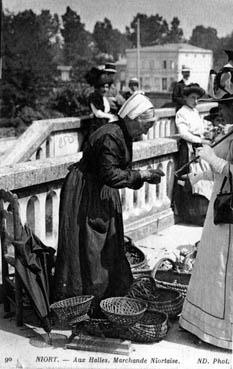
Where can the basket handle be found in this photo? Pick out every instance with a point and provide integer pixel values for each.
(159, 262)
(128, 239)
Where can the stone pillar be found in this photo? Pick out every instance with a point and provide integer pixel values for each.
(23, 209)
(40, 216)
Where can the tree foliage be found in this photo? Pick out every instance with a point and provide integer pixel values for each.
(27, 57)
(206, 38)
(76, 39)
(108, 40)
(175, 33)
(153, 30)
(34, 44)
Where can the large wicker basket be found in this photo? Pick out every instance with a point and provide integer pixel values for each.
(73, 308)
(151, 328)
(158, 299)
(171, 278)
(123, 310)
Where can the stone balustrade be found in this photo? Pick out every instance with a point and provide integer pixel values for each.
(38, 183)
(165, 125)
(64, 136)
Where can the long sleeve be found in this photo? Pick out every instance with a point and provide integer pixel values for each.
(206, 176)
(99, 113)
(183, 126)
(110, 158)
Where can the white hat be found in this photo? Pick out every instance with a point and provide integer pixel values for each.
(185, 68)
(136, 105)
(134, 80)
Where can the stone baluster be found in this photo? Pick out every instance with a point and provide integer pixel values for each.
(139, 206)
(163, 189)
(129, 196)
(40, 207)
(23, 202)
(43, 151)
(157, 129)
(167, 128)
(56, 201)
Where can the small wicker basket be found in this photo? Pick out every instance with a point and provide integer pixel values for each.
(123, 310)
(158, 299)
(135, 256)
(72, 308)
(171, 278)
(102, 327)
(151, 328)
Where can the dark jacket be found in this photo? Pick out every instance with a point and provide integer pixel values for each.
(177, 94)
(91, 257)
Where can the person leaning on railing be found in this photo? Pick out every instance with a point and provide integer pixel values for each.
(91, 257)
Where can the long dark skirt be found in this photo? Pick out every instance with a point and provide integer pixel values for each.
(189, 207)
(90, 256)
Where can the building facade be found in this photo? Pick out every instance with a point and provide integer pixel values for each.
(161, 65)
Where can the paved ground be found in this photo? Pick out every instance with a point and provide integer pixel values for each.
(24, 347)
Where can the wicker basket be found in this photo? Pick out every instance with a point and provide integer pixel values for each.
(102, 327)
(123, 310)
(158, 299)
(72, 308)
(151, 328)
(171, 278)
(135, 256)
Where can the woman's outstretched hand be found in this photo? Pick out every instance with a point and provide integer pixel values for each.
(152, 176)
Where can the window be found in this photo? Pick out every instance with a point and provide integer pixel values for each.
(164, 84)
(172, 64)
(156, 84)
(152, 64)
(164, 64)
(146, 84)
(172, 81)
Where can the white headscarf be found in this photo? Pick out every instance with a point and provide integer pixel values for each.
(136, 105)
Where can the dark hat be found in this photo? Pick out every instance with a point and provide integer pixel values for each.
(213, 113)
(220, 85)
(229, 53)
(110, 68)
(97, 77)
(193, 88)
(102, 80)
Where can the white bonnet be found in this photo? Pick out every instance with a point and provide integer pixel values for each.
(136, 105)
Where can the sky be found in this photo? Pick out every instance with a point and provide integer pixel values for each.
(209, 13)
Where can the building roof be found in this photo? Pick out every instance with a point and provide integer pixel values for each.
(172, 47)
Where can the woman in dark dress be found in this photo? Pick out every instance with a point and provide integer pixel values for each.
(98, 101)
(91, 257)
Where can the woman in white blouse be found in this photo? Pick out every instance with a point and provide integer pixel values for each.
(191, 201)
